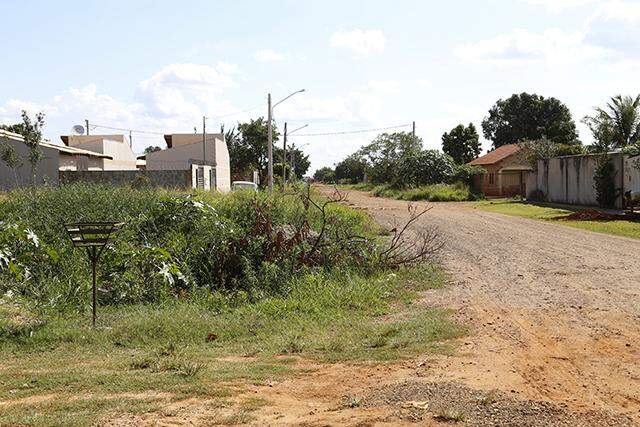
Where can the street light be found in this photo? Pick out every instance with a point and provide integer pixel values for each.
(284, 154)
(270, 134)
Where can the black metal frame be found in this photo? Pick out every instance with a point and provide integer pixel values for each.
(94, 237)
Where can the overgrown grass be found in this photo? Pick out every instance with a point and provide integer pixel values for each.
(547, 212)
(60, 371)
(435, 193)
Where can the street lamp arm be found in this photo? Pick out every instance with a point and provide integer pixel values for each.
(287, 97)
(301, 127)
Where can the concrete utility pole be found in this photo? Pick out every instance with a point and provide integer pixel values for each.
(413, 132)
(130, 140)
(269, 145)
(86, 126)
(270, 135)
(204, 140)
(284, 158)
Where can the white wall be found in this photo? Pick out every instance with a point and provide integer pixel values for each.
(114, 146)
(182, 156)
(47, 169)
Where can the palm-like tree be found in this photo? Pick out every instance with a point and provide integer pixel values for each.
(624, 115)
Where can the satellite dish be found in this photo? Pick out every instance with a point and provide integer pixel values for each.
(78, 129)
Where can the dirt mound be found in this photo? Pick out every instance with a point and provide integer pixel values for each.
(591, 215)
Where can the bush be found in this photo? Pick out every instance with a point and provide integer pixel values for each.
(173, 244)
(436, 193)
(604, 182)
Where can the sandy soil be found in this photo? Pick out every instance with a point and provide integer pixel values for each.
(554, 314)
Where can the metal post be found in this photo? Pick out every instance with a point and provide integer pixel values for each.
(284, 159)
(269, 145)
(94, 261)
(204, 140)
(86, 125)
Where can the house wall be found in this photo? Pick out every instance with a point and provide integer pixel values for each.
(74, 162)
(182, 156)
(115, 146)
(569, 179)
(498, 183)
(180, 179)
(46, 172)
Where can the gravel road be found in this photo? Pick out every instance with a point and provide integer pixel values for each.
(556, 310)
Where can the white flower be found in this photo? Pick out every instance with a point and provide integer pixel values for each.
(32, 236)
(166, 274)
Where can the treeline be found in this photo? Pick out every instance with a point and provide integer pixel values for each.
(542, 126)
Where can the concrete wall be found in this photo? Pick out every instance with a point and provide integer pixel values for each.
(569, 179)
(167, 179)
(47, 170)
(115, 146)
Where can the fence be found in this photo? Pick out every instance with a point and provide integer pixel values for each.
(569, 179)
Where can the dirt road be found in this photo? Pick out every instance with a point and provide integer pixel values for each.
(555, 318)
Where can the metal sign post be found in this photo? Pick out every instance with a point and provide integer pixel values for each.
(93, 236)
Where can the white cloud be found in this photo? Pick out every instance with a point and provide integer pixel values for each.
(520, 46)
(385, 86)
(268, 55)
(361, 43)
(226, 67)
(557, 6)
(624, 11)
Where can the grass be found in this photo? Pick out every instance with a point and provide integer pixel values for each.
(434, 193)
(550, 213)
(59, 371)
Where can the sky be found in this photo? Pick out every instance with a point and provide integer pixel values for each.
(159, 66)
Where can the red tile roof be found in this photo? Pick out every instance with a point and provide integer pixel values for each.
(493, 157)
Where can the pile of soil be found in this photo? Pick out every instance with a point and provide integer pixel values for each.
(591, 215)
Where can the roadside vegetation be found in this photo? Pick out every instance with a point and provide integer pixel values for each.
(200, 295)
(554, 213)
(435, 193)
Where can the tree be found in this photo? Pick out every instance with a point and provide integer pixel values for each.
(529, 117)
(31, 131)
(248, 148)
(616, 126)
(152, 149)
(383, 154)
(295, 157)
(462, 143)
(350, 170)
(10, 157)
(532, 151)
(325, 174)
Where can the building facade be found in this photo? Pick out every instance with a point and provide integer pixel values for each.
(505, 172)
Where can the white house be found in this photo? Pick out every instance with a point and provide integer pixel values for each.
(208, 159)
(115, 147)
(54, 158)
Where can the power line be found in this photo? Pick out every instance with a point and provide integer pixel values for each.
(94, 126)
(355, 131)
(233, 114)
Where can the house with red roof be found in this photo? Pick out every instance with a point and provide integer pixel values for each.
(505, 172)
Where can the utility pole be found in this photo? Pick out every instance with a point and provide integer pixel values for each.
(413, 132)
(269, 145)
(204, 140)
(130, 140)
(86, 126)
(284, 159)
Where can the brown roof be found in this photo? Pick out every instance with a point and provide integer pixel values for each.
(493, 157)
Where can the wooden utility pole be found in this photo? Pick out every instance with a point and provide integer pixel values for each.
(269, 145)
(284, 158)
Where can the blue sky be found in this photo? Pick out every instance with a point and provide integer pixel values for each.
(162, 65)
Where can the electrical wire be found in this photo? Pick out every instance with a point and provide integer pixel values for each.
(233, 114)
(354, 131)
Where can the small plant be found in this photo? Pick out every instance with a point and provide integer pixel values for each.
(352, 402)
(449, 415)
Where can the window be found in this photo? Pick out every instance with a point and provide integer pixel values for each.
(492, 178)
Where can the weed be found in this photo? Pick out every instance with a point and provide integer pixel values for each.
(449, 415)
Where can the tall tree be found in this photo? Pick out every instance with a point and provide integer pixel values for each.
(618, 125)
(462, 143)
(384, 153)
(325, 174)
(248, 148)
(529, 117)
(351, 170)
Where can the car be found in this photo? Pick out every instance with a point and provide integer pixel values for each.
(244, 185)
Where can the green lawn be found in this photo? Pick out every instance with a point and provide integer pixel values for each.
(550, 213)
(59, 371)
